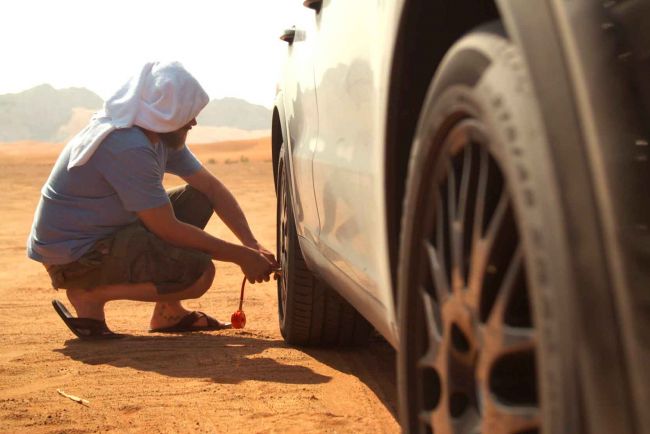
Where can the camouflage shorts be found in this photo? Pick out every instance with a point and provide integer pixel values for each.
(135, 255)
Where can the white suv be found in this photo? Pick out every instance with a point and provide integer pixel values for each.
(470, 178)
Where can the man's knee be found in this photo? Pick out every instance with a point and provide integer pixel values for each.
(203, 283)
(191, 206)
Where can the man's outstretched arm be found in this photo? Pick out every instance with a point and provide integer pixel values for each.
(163, 223)
(226, 207)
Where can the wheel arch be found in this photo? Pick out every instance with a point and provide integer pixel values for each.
(278, 134)
(419, 37)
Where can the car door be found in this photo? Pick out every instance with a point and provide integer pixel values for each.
(348, 163)
(301, 116)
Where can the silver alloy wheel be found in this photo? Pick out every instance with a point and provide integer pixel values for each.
(475, 345)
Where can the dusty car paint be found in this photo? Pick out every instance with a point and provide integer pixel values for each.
(301, 116)
(337, 148)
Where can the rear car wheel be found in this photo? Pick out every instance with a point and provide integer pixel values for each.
(310, 312)
(485, 335)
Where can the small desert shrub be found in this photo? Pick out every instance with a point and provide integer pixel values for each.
(229, 161)
(243, 159)
(212, 161)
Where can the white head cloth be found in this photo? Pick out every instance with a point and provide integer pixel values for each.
(161, 98)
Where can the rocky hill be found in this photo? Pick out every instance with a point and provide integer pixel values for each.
(39, 113)
(54, 115)
(235, 113)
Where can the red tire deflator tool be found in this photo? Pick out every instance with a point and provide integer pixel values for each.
(238, 319)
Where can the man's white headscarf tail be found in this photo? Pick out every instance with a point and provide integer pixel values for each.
(162, 98)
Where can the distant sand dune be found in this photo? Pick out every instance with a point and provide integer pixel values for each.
(203, 134)
(255, 150)
(198, 134)
(78, 120)
(258, 149)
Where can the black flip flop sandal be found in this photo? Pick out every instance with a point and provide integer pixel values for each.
(186, 324)
(84, 328)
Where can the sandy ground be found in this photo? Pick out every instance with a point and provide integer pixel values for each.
(238, 380)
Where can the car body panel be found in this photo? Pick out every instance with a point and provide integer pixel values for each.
(351, 81)
(301, 117)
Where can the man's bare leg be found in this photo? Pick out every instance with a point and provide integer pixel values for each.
(89, 303)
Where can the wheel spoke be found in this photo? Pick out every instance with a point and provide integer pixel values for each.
(504, 337)
(457, 280)
(500, 419)
(431, 310)
(440, 234)
(438, 273)
(456, 231)
(451, 192)
(496, 221)
(464, 185)
(481, 192)
(507, 286)
(478, 250)
(516, 339)
(460, 225)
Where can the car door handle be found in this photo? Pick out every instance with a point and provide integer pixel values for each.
(288, 36)
(313, 4)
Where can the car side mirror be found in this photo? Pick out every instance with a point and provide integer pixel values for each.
(288, 36)
(313, 4)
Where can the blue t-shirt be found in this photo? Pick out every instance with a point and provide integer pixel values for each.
(87, 203)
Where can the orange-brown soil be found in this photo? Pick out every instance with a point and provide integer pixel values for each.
(233, 381)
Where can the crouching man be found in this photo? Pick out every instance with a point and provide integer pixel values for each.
(106, 229)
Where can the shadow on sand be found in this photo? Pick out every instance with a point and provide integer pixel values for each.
(231, 359)
(374, 365)
(222, 358)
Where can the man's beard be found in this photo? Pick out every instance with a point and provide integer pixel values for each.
(173, 139)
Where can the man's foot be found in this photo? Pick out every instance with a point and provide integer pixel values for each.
(84, 328)
(192, 323)
(169, 314)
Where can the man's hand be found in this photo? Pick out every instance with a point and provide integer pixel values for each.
(256, 266)
(267, 254)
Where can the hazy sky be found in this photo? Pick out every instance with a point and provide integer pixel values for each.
(231, 47)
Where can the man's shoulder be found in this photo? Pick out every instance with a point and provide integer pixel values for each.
(125, 139)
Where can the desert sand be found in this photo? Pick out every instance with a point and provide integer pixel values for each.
(236, 380)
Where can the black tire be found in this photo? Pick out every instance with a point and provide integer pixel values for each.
(486, 342)
(310, 313)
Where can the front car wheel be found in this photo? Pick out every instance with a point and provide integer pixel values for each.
(485, 335)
